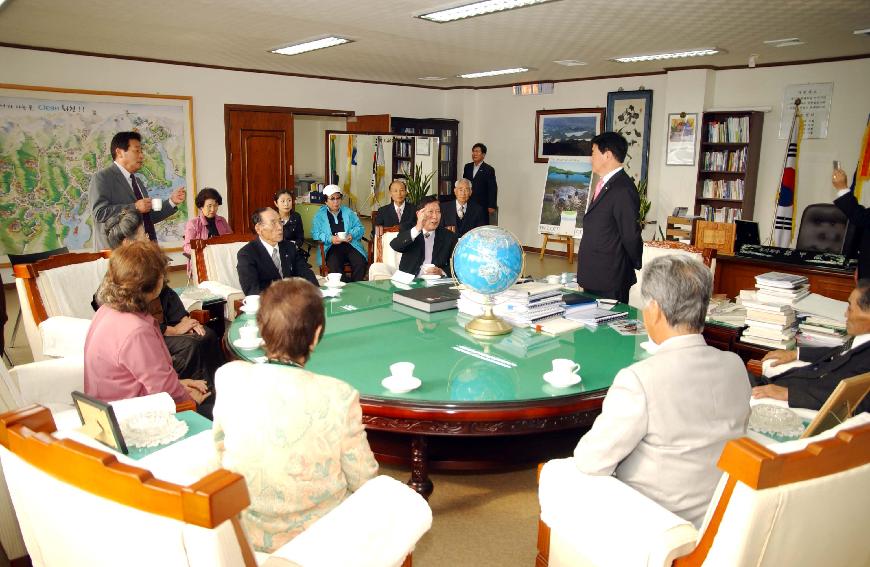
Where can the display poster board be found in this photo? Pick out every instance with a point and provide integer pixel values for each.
(52, 141)
(565, 197)
(815, 108)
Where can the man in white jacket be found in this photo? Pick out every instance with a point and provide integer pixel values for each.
(666, 419)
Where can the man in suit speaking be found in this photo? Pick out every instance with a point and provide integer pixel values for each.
(269, 257)
(611, 247)
(117, 187)
(482, 176)
(665, 419)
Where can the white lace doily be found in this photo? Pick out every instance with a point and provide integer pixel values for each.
(766, 418)
(152, 428)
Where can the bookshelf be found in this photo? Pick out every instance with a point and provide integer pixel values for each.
(403, 157)
(728, 167)
(447, 131)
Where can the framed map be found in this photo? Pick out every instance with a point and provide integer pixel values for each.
(52, 141)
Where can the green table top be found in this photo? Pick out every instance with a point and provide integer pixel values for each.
(366, 332)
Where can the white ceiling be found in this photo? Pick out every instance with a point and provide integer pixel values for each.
(393, 46)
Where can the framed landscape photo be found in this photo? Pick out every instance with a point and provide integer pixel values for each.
(566, 133)
(630, 113)
(682, 131)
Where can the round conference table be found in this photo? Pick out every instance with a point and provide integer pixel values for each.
(482, 404)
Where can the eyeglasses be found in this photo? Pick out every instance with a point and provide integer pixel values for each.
(335, 198)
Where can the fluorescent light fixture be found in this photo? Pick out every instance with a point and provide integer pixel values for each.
(493, 73)
(477, 9)
(672, 55)
(783, 40)
(865, 31)
(307, 46)
(569, 62)
(431, 78)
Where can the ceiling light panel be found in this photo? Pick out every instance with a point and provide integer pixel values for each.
(312, 45)
(494, 73)
(673, 55)
(570, 62)
(477, 9)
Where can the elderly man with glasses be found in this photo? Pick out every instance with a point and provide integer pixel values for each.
(341, 231)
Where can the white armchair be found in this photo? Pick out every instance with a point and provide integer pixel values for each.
(215, 267)
(77, 505)
(799, 503)
(384, 261)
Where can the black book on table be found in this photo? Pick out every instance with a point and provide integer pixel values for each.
(429, 299)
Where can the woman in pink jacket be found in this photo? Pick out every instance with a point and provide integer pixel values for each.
(208, 223)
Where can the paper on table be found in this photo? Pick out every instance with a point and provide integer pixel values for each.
(161, 402)
(816, 304)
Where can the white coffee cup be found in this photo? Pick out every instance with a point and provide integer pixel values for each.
(565, 367)
(553, 279)
(251, 302)
(248, 333)
(341, 235)
(156, 204)
(402, 370)
(333, 277)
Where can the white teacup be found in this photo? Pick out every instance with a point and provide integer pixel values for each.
(402, 370)
(564, 367)
(156, 204)
(251, 302)
(341, 235)
(333, 277)
(248, 333)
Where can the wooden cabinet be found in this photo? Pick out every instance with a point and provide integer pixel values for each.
(447, 132)
(728, 166)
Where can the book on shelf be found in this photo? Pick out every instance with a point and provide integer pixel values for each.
(733, 130)
(725, 214)
(731, 161)
(723, 189)
(429, 299)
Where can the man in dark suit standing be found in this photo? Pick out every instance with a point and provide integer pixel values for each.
(858, 216)
(611, 247)
(117, 187)
(269, 257)
(809, 386)
(462, 213)
(427, 247)
(482, 176)
(398, 212)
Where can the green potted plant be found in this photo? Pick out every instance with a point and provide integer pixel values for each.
(418, 184)
(644, 203)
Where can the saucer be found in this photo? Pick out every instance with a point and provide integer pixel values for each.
(331, 292)
(339, 284)
(248, 310)
(560, 382)
(246, 345)
(400, 385)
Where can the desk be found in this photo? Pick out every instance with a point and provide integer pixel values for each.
(734, 273)
(469, 413)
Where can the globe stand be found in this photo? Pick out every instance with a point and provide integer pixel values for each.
(488, 325)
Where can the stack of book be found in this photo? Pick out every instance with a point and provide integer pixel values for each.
(821, 331)
(781, 289)
(591, 315)
(769, 325)
(523, 305)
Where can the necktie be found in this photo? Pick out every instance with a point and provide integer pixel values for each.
(399, 211)
(847, 346)
(277, 261)
(598, 187)
(146, 217)
(461, 211)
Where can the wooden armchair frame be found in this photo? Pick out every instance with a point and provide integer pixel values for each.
(199, 245)
(30, 272)
(376, 248)
(707, 254)
(758, 467)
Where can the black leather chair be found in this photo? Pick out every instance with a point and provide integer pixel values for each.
(824, 228)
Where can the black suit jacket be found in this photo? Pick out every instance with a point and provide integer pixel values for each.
(414, 250)
(387, 217)
(859, 217)
(611, 247)
(809, 386)
(484, 187)
(256, 270)
(474, 217)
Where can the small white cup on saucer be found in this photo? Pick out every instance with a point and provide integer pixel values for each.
(401, 379)
(402, 370)
(249, 333)
(341, 235)
(251, 303)
(156, 204)
(564, 373)
(333, 278)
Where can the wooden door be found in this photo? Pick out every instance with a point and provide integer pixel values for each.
(369, 123)
(259, 162)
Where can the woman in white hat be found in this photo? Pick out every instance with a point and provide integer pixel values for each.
(341, 232)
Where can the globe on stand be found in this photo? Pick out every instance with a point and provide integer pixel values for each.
(488, 260)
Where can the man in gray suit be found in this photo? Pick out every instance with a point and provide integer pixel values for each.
(117, 187)
(666, 419)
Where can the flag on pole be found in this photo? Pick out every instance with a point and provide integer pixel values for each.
(351, 142)
(786, 198)
(377, 172)
(862, 172)
(333, 165)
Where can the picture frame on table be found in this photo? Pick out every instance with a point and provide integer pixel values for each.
(99, 421)
(566, 133)
(630, 113)
(682, 135)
